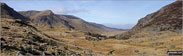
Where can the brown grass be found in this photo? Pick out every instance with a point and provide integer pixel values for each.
(128, 47)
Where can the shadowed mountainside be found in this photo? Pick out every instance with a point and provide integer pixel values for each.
(7, 12)
(168, 18)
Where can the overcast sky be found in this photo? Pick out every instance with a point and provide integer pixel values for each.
(120, 14)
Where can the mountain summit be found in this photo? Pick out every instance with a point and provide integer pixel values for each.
(46, 19)
(7, 12)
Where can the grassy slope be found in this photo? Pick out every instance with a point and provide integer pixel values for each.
(144, 46)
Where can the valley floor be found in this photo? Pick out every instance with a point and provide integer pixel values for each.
(135, 46)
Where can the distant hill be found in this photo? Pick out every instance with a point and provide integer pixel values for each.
(51, 20)
(168, 18)
(46, 19)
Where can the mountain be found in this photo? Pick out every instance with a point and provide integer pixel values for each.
(168, 18)
(155, 34)
(80, 24)
(8, 12)
(45, 19)
(48, 18)
(20, 38)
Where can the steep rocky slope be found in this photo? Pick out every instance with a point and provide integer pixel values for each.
(168, 18)
(8, 12)
(19, 37)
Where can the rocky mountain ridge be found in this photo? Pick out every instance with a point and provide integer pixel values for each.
(48, 18)
(8, 12)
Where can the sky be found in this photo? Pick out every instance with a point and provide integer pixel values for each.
(121, 14)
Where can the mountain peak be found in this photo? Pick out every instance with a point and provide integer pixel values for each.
(44, 13)
(47, 12)
(8, 12)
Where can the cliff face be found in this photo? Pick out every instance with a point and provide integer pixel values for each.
(168, 18)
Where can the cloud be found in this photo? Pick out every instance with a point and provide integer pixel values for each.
(60, 11)
(68, 11)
